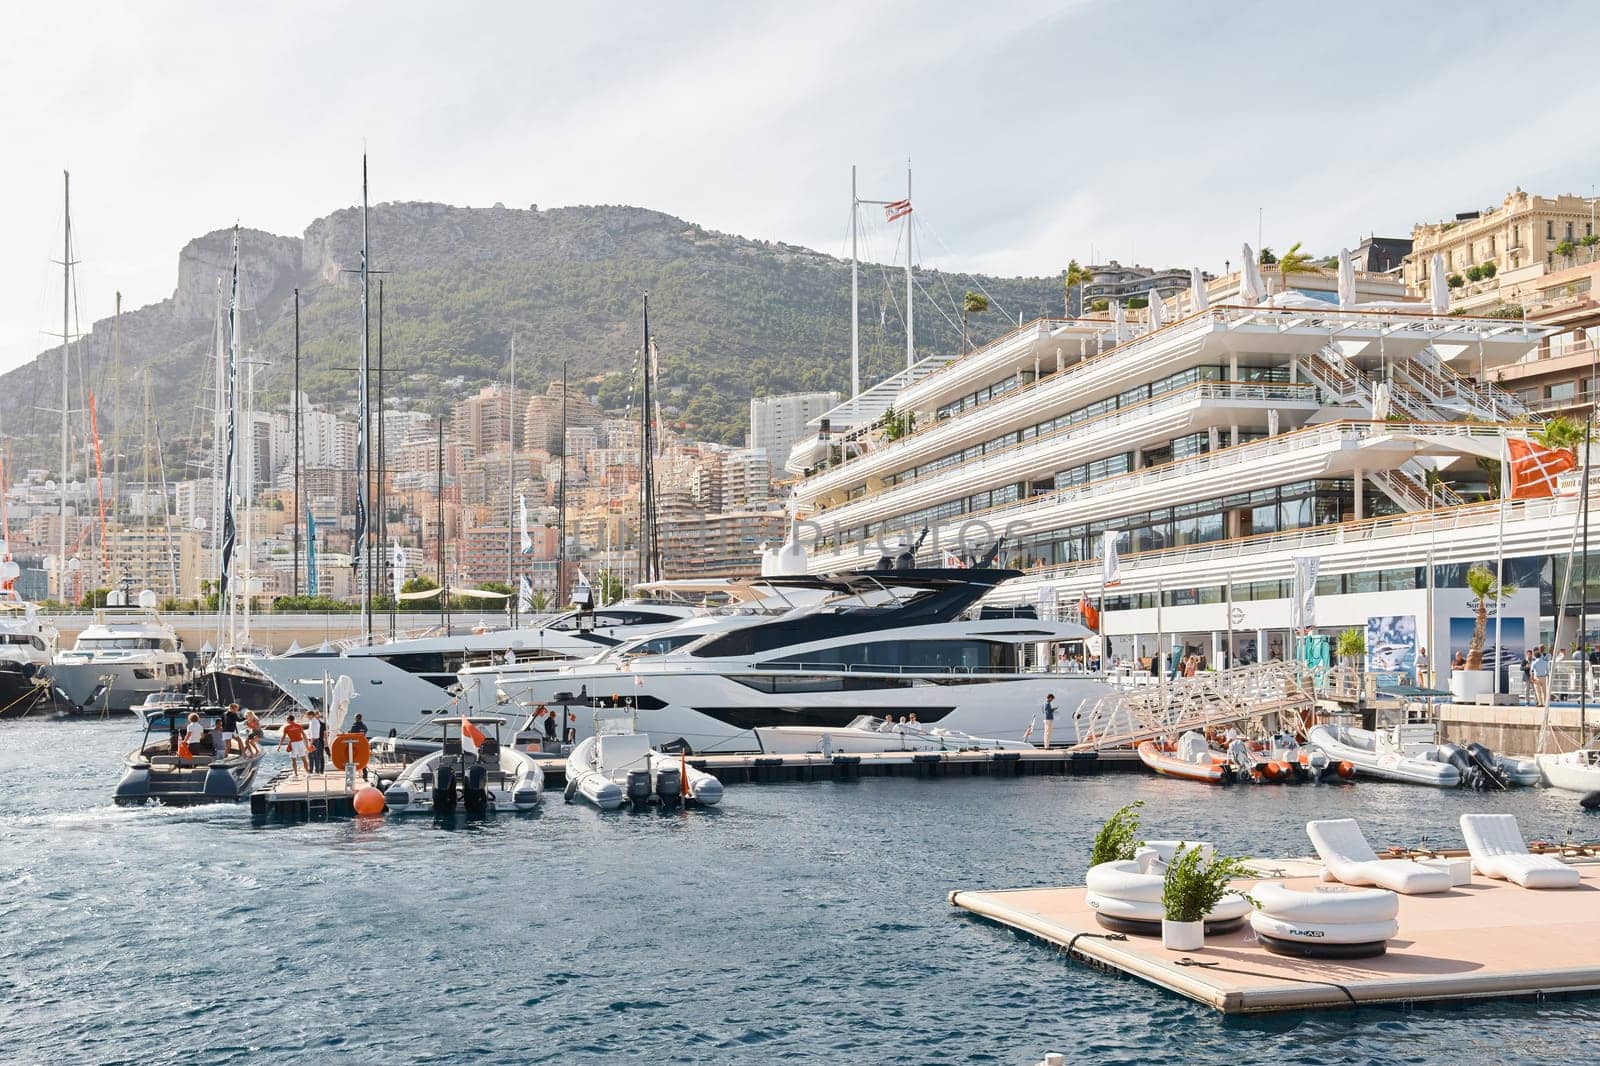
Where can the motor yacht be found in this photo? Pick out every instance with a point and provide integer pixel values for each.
(409, 680)
(896, 640)
(158, 772)
(27, 646)
(121, 658)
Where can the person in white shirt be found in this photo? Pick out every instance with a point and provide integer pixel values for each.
(314, 731)
(888, 724)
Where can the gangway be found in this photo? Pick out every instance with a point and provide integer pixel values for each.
(1216, 699)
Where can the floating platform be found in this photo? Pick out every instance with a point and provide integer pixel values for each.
(1486, 940)
(742, 769)
(306, 798)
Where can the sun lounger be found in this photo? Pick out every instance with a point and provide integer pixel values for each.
(1348, 858)
(1498, 851)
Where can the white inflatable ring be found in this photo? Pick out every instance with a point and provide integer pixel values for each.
(1122, 880)
(1361, 905)
(1303, 932)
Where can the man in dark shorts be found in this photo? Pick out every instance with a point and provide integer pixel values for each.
(226, 729)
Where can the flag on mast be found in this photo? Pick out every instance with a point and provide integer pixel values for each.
(397, 560)
(525, 595)
(895, 211)
(582, 593)
(1533, 468)
(229, 528)
(522, 512)
(311, 553)
(472, 737)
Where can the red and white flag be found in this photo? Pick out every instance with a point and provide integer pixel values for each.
(1533, 468)
(896, 211)
(952, 561)
(472, 737)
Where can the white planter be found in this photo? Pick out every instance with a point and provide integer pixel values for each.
(1468, 685)
(1183, 936)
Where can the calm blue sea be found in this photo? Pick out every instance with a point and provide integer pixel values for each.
(798, 923)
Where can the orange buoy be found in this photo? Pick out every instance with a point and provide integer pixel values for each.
(1270, 769)
(1347, 770)
(368, 800)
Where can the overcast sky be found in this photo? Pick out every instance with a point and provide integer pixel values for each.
(1148, 131)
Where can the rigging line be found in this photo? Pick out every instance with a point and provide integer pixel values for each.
(992, 299)
(954, 325)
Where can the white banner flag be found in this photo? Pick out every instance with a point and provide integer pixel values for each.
(522, 508)
(1305, 590)
(397, 559)
(1112, 572)
(525, 595)
(582, 594)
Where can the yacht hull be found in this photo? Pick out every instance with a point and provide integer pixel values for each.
(712, 712)
(177, 786)
(1570, 773)
(386, 696)
(126, 685)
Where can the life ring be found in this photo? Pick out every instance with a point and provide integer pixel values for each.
(351, 746)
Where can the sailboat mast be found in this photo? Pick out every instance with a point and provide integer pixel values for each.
(911, 333)
(116, 410)
(438, 525)
(511, 468)
(649, 568)
(66, 364)
(1583, 601)
(294, 581)
(855, 298)
(561, 500)
(364, 460)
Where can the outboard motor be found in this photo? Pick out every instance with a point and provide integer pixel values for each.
(669, 784)
(1455, 756)
(1239, 756)
(444, 790)
(474, 793)
(638, 790)
(1489, 772)
(1590, 801)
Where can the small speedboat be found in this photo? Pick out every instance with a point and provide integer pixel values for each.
(617, 765)
(869, 733)
(1398, 753)
(157, 772)
(1191, 757)
(469, 772)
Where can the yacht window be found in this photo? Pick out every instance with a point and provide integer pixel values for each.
(660, 645)
(119, 643)
(933, 655)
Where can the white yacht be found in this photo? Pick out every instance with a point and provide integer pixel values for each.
(27, 647)
(885, 641)
(405, 681)
(119, 660)
(1215, 445)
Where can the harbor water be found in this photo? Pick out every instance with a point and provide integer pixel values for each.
(797, 923)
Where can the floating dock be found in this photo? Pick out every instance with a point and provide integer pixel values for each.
(306, 798)
(1486, 940)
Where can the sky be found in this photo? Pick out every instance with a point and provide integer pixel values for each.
(1139, 130)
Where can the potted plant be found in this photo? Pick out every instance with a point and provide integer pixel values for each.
(1193, 888)
(1118, 839)
(1473, 680)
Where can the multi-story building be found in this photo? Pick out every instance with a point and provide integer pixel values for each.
(777, 422)
(325, 440)
(717, 545)
(166, 561)
(1563, 377)
(1114, 282)
(1216, 450)
(482, 422)
(543, 416)
(1498, 248)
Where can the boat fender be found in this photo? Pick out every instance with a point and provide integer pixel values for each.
(1346, 769)
(444, 791)
(1590, 801)
(474, 794)
(571, 790)
(638, 786)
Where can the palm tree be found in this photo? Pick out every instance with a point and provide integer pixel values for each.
(975, 303)
(539, 601)
(1352, 647)
(1482, 583)
(1265, 257)
(1295, 261)
(1076, 275)
(1561, 432)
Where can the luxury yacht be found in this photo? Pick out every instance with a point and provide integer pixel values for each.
(26, 647)
(405, 681)
(885, 641)
(119, 660)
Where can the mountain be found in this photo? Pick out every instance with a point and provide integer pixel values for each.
(732, 318)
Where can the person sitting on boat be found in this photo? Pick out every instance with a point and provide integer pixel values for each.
(252, 734)
(293, 737)
(888, 724)
(911, 721)
(358, 726)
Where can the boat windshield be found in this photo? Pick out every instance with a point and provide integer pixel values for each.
(868, 722)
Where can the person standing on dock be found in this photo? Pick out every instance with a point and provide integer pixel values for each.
(358, 726)
(293, 737)
(314, 748)
(1539, 671)
(1049, 717)
(1422, 668)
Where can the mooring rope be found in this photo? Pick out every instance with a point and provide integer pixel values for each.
(1187, 961)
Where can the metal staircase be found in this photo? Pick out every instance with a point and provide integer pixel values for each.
(1241, 696)
(1345, 383)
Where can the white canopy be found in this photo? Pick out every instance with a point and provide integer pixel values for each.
(1198, 300)
(1347, 278)
(1119, 321)
(1157, 319)
(1439, 288)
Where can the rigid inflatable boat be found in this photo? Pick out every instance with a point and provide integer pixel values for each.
(1395, 754)
(617, 765)
(1191, 757)
(470, 772)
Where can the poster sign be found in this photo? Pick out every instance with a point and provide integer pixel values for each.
(1392, 648)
